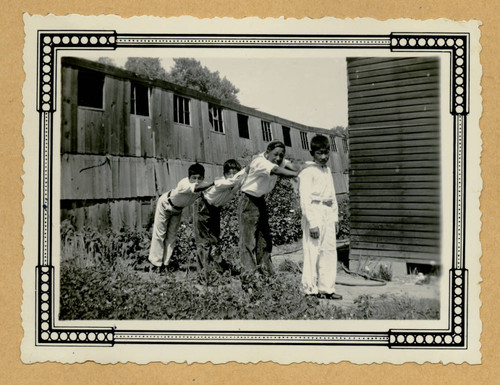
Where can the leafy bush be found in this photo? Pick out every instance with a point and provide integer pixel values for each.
(100, 280)
(284, 213)
(90, 247)
(122, 293)
(184, 254)
(344, 218)
(384, 272)
(289, 266)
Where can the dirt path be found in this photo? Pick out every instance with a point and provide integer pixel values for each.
(352, 286)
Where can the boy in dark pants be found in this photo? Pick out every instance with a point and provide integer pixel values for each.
(255, 236)
(207, 215)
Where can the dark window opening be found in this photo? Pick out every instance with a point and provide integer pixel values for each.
(304, 141)
(90, 89)
(334, 145)
(243, 126)
(266, 131)
(287, 140)
(139, 99)
(181, 110)
(215, 117)
(346, 147)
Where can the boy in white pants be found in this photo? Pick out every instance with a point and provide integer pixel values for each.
(168, 215)
(319, 223)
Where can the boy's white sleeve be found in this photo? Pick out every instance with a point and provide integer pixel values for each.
(335, 205)
(224, 184)
(305, 183)
(262, 165)
(285, 163)
(335, 210)
(185, 186)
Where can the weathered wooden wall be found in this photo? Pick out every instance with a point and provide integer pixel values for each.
(111, 155)
(394, 133)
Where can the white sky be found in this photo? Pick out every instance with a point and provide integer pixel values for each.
(307, 90)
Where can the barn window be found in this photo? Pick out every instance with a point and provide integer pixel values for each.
(287, 140)
(215, 117)
(139, 99)
(346, 147)
(266, 131)
(304, 141)
(243, 126)
(90, 89)
(333, 145)
(181, 110)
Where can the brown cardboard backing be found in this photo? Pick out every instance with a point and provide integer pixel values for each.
(13, 371)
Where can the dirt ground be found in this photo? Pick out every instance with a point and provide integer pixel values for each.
(351, 286)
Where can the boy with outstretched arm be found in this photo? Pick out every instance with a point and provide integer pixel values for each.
(319, 223)
(168, 215)
(207, 214)
(263, 173)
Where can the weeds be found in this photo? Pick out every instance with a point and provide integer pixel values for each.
(377, 270)
(99, 280)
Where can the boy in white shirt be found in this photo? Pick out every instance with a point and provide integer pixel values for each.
(168, 214)
(255, 242)
(207, 214)
(319, 223)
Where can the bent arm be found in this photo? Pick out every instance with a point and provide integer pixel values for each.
(229, 183)
(291, 166)
(203, 186)
(282, 171)
(305, 183)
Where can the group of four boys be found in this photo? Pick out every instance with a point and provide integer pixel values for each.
(319, 215)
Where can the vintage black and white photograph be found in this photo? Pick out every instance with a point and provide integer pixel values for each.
(253, 189)
(164, 214)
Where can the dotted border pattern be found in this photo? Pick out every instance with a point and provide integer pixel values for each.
(252, 41)
(51, 41)
(459, 122)
(261, 338)
(457, 45)
(455, 336)
(47, 333)
(48, 44)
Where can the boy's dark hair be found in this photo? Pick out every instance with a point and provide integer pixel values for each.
(196, 169)
(275, 144)
(319, 142)
(231, 164)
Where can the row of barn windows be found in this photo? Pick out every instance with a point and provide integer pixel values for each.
(91, 94)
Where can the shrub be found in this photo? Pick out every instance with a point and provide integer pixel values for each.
(344, 218)
(284, 213)
(90, 247)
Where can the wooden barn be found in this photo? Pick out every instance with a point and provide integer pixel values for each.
(125, 140)
(394, 182)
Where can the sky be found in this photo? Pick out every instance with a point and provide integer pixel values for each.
(307, 90)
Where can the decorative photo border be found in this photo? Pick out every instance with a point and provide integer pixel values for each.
(52, 42)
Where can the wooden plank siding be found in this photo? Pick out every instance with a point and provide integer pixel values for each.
(111, 154)
(395, 174)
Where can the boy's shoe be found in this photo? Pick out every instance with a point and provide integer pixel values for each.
(159, 269)
(329, 296)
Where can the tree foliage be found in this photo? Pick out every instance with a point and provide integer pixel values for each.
(149, 67)
(339, 130)
(106, 60)
(189, 72)
(186, 72)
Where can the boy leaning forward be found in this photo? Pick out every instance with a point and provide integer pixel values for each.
(168, 214)
(207, 215)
